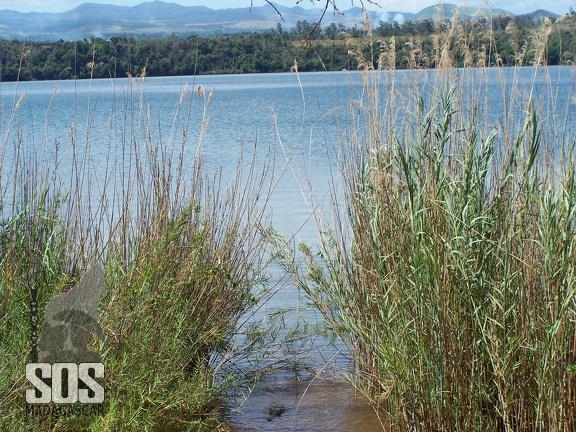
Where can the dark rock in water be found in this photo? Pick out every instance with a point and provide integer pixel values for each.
(275, 411)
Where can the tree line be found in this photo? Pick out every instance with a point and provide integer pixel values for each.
(126, 56)
(412, 44)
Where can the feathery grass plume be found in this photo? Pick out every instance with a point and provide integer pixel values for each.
(445, 41)
(416, 57)
(540, 42)
(462, 45)
(294, 67)
(387, 56)
(363, 50)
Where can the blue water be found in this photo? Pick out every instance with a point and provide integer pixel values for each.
(300, 118)
(294, 124)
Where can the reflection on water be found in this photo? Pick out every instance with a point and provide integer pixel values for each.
(308, 405)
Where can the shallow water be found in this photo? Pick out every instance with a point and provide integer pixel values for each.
(309, 404)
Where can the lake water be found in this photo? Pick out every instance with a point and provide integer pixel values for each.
(294, 123)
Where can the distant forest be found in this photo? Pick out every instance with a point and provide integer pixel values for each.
(505, 41)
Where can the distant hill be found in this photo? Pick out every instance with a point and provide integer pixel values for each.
(158, 18)
(447, 11)
(538, 15)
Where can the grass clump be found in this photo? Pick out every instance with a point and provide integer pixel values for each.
(181, 256)
(452, 279)
(457, 289)
(176, 306)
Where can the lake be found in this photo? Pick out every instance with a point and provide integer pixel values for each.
(296, 118)
(297, 124)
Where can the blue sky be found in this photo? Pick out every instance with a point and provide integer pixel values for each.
(559, 6)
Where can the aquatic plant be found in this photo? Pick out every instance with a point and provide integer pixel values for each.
(182, 255)
(451, 274)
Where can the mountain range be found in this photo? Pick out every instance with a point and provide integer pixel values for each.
(158, 18)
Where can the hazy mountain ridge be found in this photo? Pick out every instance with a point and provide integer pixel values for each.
(161, 18)
(448, 10)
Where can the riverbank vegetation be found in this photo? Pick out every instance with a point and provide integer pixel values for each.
(182, 261)
(453, 279)
(326, 48)
(452, 282)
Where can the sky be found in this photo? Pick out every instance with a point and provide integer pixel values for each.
(514, 6)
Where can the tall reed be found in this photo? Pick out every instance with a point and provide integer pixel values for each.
(453, 277)
(181, 251)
